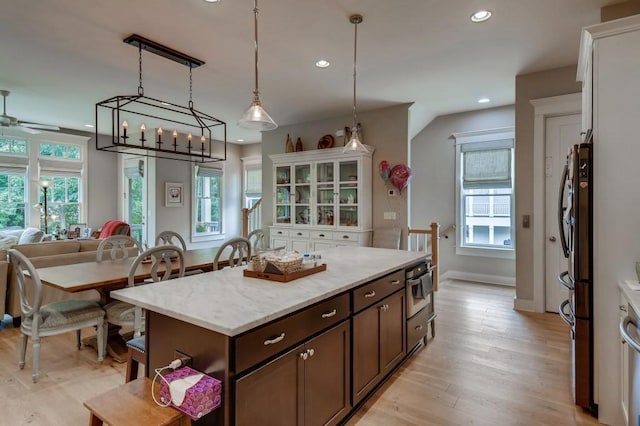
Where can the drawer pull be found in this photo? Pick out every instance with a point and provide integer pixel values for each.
(418, 327)
(395, 282)
(279, 232)
(274, 340)
(299, 233)
(346, 237)
(329, 314)
(372, 293)
(321, 235)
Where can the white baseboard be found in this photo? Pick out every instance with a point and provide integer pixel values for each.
(526, 305)
(481, 278)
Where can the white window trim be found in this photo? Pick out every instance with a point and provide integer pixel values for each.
(203, 237)
(477, 137)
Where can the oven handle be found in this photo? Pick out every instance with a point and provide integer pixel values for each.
(561, 276)
(414, 281)
(624, 323)
(566, 318)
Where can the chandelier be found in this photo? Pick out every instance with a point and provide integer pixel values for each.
(155, 128)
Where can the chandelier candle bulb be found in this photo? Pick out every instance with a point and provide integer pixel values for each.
(175, 140)
(159, 135)
(125, 125)
(142, 129)
(189, 140)
(202, 139)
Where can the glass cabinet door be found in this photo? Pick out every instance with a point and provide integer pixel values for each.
(325, 193)
(302, 198)
(283, 194)
(348, 193)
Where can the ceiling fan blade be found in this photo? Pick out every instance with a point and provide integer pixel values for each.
(28, 130)
(39, 126)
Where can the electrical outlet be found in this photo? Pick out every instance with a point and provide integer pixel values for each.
(186, 359)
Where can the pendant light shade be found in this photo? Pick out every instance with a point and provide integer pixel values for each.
(256, 118)
(354, 144)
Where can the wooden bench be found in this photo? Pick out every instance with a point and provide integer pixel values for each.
(132, 404)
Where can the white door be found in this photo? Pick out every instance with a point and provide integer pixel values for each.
(561, 133)
(135, 193)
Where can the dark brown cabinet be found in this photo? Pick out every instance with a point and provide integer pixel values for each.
(309, 385)
(378, 343)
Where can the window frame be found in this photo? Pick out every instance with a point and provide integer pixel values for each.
(490, 139)
(206, 236)
(32, 171)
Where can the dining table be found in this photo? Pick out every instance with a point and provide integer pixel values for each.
(108, 275)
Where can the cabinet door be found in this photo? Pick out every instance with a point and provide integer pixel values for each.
(392, 331)
(348, 193)
(271, 395)
(283, 188)
(327, 374)
(366, 351)
(301, 246)
(302, 195)
(325, 193)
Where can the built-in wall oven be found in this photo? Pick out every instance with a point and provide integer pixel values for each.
(420, 303)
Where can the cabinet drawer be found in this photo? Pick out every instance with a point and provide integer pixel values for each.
(321, 235)
(270, 339)
(299, 233)
(417, 327)
(377, 290)
(279, 233)
(346, 236)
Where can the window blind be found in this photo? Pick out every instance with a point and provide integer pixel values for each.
(12, 165)
(63, 168)
(203, 171)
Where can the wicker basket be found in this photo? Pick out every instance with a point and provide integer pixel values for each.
(288, 266)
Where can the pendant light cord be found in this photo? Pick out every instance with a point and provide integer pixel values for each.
(255, 35)
(140, 88)
(355, 51)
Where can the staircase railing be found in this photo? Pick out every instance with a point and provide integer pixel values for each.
(251, 218)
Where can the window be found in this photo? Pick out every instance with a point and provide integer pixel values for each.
(485, 193)
(25, 161)
(207, 200)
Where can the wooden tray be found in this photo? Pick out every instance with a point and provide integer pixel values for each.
(283, 278)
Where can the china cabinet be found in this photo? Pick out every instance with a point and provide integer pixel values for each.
(321, 199)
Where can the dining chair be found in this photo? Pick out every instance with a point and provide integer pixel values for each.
(386, 238)
(51, 319)
(256, 237)
(161, 260)
(167, 237)
(236, 251)
(118, 246)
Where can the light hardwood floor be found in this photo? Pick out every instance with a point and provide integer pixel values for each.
(488, 365)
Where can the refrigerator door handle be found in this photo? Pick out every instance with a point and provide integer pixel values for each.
(561, 194)
(624, 323)
(568, 284)
(568, 318)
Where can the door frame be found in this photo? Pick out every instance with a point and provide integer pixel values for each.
(543, 108)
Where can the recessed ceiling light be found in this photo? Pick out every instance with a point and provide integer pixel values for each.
(240, 140)
(165, 103)
(212, 1)
(89, 125)
(323, 63)
(484, 100)
(481, 16)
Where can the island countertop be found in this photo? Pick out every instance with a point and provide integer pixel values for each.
(227, 302)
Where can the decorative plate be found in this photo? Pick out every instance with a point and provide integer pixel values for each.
(326, 141)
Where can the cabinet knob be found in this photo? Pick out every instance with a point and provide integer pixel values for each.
(303, 355)
(372, 293)
(274, 340)
(329, 314)
(311, 352)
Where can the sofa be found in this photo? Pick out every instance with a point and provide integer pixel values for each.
(44, 254)
(10, 237)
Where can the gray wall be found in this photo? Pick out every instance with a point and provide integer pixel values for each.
(385, 129)
(559, 81)
(433, 162)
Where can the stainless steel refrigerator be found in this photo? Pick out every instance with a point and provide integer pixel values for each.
(575, 219)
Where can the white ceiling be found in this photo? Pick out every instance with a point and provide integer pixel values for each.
(59, 57)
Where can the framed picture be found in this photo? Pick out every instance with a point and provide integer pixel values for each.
(174, 194)
(79, 230)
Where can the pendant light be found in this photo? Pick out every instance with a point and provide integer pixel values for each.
(354, 144)
(256, 118)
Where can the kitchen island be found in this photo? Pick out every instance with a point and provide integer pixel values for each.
(302, 352)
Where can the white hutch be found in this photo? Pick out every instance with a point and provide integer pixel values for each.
(321, 199)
